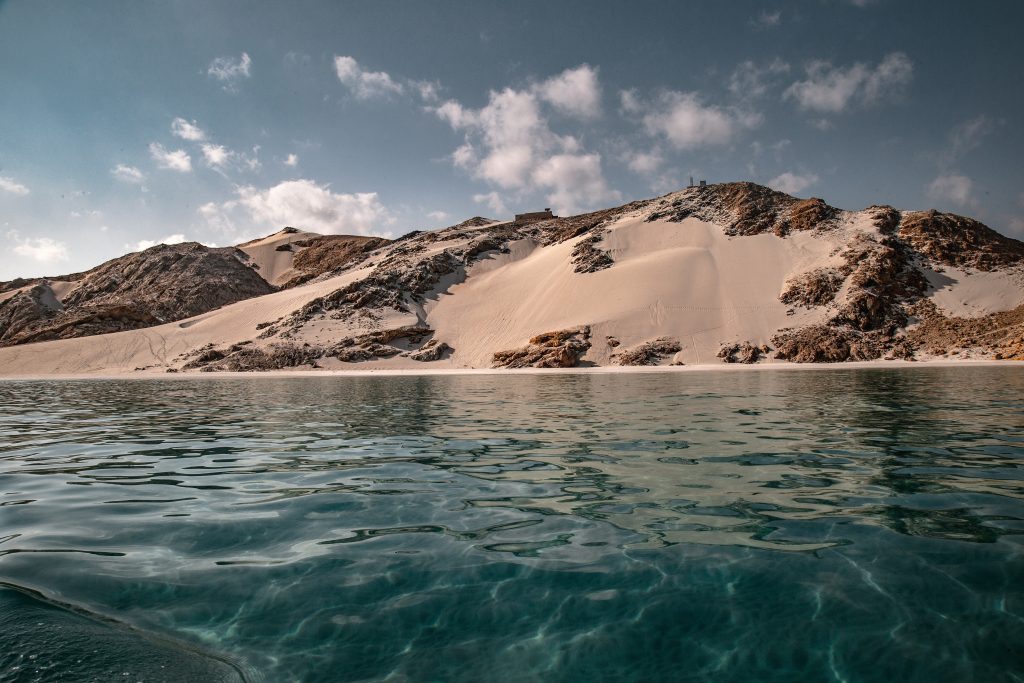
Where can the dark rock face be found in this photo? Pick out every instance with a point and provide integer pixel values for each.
(748, 209)
(330, 254)
(744, 352)
(161, 284)
(562, 349)
(958, 241)
(1001, 333)
(650, 352)
(587, 257)
(24, 310)
(815, 288)
(431, 351)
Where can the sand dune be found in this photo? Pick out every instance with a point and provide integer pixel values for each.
(697, 270)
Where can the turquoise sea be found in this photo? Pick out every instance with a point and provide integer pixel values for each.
(821, 525)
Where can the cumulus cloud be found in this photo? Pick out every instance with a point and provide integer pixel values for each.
(510, 143)
(230, 71)
(142, 245)
(492, 200)
(687, 122)
(128, 174)
(8, 184)
(292, 160)
(307, 204)
(365, 84)
(216, 156)
(952, 187)
(792, 183)
(831, 90)
(41, 249)
(438, 216)
(176, 160)
(575, 92)
(751, 80)
(187, 130)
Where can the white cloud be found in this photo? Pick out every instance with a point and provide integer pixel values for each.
(575, 181)
(751, 80)
(230, 71)
(645, 163)
(438, 216)
(311, 206)
(187, 130)
(128, 174)
(177, 160)
(509, 142)
(829, 89)
(792, 183)
(686, 122)
(575, 92)
(493, 201)
(142, 245)
(216, 156)
(365, 84)
(8, 184)
(292, 160)
(953, 188)
(42, 249)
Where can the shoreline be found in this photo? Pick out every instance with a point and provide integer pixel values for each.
(595, 370)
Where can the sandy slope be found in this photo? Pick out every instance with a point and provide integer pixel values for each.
(687, 280)
(275, 266)
(124, 352)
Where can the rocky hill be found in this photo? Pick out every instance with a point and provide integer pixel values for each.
(728, 273)
(161, 284)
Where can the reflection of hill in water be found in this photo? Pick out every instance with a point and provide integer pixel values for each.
(782, 460)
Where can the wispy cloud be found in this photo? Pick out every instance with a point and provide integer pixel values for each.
(365, 84)
(230, 71)
(492, 200)
(831, 90)
(292, 160)
(128, 174)
(686, 121)
(187, 130)
(751, 80)
(173, 160)
(952, 187)
(8, 184)
(793, 183)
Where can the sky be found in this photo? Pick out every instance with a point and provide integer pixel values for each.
(126, 124)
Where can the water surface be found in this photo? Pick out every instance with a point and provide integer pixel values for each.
(846, 525)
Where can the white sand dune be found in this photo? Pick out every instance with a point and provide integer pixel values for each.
(685, 280)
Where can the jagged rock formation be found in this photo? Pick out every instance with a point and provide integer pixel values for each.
(744, 352)
(650, 352)
(735, 261)
(161, 284)
(562, 349)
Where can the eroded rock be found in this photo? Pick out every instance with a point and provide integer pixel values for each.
(561, 349)
(650, 352)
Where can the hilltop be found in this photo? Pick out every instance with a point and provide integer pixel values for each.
(734, 272)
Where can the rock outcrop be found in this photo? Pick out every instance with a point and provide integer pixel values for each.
(161, 284)
(561, 349)
(743, 352)
(650, 352)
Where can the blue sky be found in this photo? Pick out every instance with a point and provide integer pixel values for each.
(127, 123)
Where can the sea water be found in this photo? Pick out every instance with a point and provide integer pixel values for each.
(843, 525)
